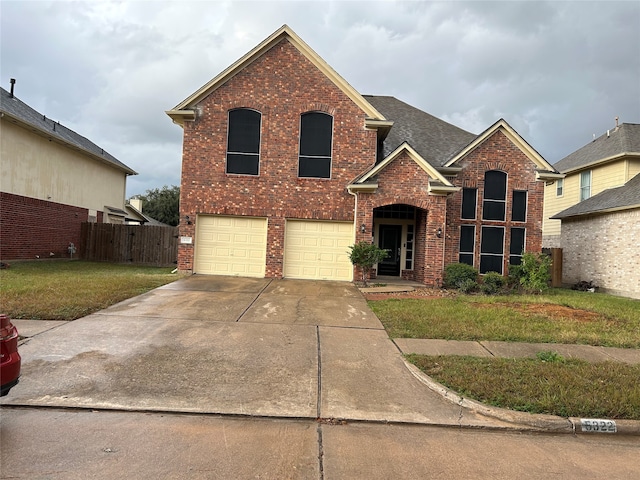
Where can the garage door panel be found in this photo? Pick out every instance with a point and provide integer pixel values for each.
(231, 245)
(318, 250)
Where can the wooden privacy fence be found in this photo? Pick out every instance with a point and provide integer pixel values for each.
(138, 244)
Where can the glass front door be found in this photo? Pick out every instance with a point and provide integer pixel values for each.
(390, 239)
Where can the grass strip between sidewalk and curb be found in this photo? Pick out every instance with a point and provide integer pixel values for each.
(562, 387)
(66, 290)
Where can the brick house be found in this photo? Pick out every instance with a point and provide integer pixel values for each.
(53, 179)
(285, 165)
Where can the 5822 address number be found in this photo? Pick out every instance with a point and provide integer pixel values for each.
(597, 425)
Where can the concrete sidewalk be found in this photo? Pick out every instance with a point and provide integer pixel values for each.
(516, 350)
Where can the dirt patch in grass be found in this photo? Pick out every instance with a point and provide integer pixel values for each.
(546, 309)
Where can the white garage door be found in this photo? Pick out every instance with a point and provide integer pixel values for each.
(231, 246)
(318, 250)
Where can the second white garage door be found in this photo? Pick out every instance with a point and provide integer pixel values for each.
(231, 246)
(318, 250)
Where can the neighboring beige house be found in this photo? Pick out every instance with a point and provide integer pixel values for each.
(52, 179)
(607, 162)
(599, 240)
(133, 207)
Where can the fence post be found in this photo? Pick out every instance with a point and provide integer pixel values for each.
(556, 267)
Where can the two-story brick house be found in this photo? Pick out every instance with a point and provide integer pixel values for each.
(285, 165)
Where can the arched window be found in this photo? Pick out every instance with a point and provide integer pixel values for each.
(316, 132)
(495, 195)
(243, 142)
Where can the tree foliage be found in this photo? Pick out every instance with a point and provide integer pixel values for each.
(162, 204)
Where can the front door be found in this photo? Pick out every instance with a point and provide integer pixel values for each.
(389, 239)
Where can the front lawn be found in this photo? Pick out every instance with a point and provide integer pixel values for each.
(66, 290)
(560, 316)
(548, 384)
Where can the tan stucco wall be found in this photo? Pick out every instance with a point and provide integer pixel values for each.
(35, 167)
(602, 177)
(603, 249)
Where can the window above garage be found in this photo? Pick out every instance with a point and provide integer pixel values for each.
(316, 135)
(243, 142)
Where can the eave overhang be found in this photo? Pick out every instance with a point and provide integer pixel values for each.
(413, 155)
(436, 188)
(560, 216)
(602, 161)
(513, 136)
(362, 188)
(181, 116)
(383, 127)
(548, 176)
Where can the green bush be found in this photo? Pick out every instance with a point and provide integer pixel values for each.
(468, 286)
(455, 274)
(534, 273)
(365, 255)
(492, 283)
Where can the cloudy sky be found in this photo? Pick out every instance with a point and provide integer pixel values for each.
(557, 71)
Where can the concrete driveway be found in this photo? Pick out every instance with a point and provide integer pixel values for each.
(240, 346)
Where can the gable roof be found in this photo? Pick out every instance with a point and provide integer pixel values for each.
(544, 169)
(18, 112)
(185, 109)
(621, 141)
(625, 197)
(438, 184)
(433, 139)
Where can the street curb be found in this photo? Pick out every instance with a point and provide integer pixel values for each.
(538, 422)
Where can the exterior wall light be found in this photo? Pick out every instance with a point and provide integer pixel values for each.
(363, 228)
(439, 232)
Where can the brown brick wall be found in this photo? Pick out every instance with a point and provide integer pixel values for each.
(30, 227)
(496, 153)
(270, 86)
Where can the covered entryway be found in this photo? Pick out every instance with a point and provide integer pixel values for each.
(230, 246)
(318, 250)
(394, 227)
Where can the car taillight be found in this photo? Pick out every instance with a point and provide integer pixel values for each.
(7, 330)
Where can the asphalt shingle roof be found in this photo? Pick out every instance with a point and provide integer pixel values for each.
(617, 198)
(624, 139)
(434, 139)
(14, 107)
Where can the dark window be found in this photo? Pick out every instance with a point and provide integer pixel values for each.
(519, 206)
(397, 211)
(469, 196)
(243, 142)
(516, 246)
(491, 249)
(315, 145)
(467, 241)
(495, 195)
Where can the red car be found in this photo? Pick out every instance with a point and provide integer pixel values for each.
(10, 359)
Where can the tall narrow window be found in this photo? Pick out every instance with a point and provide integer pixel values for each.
(519, 206)
(495, 195)
(492, 249)
(408, 264)
(516, 246)
(469, 196)
(585, 185)
(316, 131)
(559, 187)
(467, 243)
(243, 142)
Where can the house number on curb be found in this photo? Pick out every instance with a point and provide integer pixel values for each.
(597, 425)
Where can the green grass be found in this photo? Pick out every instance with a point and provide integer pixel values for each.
(66, 290)
(568, 388)
(560, 316)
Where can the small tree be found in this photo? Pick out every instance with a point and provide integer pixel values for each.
(365, 255)
(534, 272)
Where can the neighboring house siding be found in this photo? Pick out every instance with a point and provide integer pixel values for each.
(33, 227)
(603, 177)
(603, 249)
(496, 153)
(269, 86)
(35, 167)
